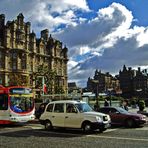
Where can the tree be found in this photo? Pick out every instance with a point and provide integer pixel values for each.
(18, 79)
(141, 105)
(49, 77)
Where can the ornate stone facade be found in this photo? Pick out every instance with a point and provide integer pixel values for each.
(104, 82)
(21, 52)
(133, 82)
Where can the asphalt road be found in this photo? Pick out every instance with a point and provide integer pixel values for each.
(34, 136)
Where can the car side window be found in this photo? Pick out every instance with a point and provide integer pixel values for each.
(105, 110)
(59, 108)
(70, 108)
(112, 110)
(50, 108)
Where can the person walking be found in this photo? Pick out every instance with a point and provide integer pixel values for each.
(106, 102)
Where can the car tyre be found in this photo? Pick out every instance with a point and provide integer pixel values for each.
(87, 127)
(48, 125)
(129, 123)
(101, 130)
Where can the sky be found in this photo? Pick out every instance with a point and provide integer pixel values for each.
(99, 34)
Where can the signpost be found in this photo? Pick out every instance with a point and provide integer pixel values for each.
(96, 82)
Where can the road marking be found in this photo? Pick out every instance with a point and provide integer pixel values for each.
(34, 126)
(110, 130)
(118, 138)
(143, 129)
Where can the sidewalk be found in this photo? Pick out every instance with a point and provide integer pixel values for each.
(35, 121)
(134, 110)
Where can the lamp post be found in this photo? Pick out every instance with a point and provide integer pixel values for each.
(109, 90)
(96, 106)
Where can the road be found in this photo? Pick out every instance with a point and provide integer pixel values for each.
(34, 136)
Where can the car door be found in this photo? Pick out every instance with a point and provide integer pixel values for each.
(116, 116)
(58, 115)
(72, 116)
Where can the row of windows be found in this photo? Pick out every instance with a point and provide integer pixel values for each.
(59, 108)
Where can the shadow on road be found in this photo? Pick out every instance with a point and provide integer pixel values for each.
(58, 133)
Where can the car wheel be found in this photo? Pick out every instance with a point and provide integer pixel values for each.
(101, 130)
(130, 123)
(87, 127)
(48, 125)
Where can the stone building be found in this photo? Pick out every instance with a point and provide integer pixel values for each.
(103, 82)
(133, 82)
(21, 52)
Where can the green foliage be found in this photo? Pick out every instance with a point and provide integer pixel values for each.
(141, 105)
(133, 101)
(38, 100)
(59, 90)
(50, 78)
(18, 79)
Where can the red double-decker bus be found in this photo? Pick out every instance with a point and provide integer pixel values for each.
(16, 104)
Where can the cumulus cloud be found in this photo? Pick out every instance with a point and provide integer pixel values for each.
(111, 41)
(45, 13)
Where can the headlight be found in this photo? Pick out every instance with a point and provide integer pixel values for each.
(98, 119)
(143, 117)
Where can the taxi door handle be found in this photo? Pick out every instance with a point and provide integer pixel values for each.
(53, 116)
(66, 116)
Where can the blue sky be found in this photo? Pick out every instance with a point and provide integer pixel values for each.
(100, 34)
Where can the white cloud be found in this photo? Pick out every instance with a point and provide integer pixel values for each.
(45, 13)
(72, 64)
(78, 4)
(111, 41)
(142, 36)
(84, 49)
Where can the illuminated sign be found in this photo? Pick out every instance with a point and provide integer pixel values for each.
(20, 91)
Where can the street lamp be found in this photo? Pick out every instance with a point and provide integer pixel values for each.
(96, 82)
(109, 90)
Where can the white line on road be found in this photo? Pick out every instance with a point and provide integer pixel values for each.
(118, 138)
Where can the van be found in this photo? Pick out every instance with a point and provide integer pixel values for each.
(73, 114)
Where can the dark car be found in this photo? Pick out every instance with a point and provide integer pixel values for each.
(40, 110)
(120, 116)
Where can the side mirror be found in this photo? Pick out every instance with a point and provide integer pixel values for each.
(117, 112)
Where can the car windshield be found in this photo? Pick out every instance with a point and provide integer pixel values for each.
(121, 110)
(83, 107)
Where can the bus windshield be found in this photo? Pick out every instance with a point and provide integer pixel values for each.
(21, 103)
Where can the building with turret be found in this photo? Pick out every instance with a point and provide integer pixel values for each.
(21, 52)
(103, 82)
(133, 82)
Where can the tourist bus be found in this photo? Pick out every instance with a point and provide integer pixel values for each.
(16, 104)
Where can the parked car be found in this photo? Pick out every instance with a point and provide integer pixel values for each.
(120, 116)
(73, 114)
(40, 110)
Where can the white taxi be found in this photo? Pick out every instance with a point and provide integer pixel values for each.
(73, 114)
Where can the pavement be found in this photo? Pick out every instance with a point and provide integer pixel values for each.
(135, 110)
(35, 121)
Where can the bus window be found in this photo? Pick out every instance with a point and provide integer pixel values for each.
(21, 104)
(3, 102)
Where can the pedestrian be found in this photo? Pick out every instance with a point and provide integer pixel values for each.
(125, 105)
(106, 102)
